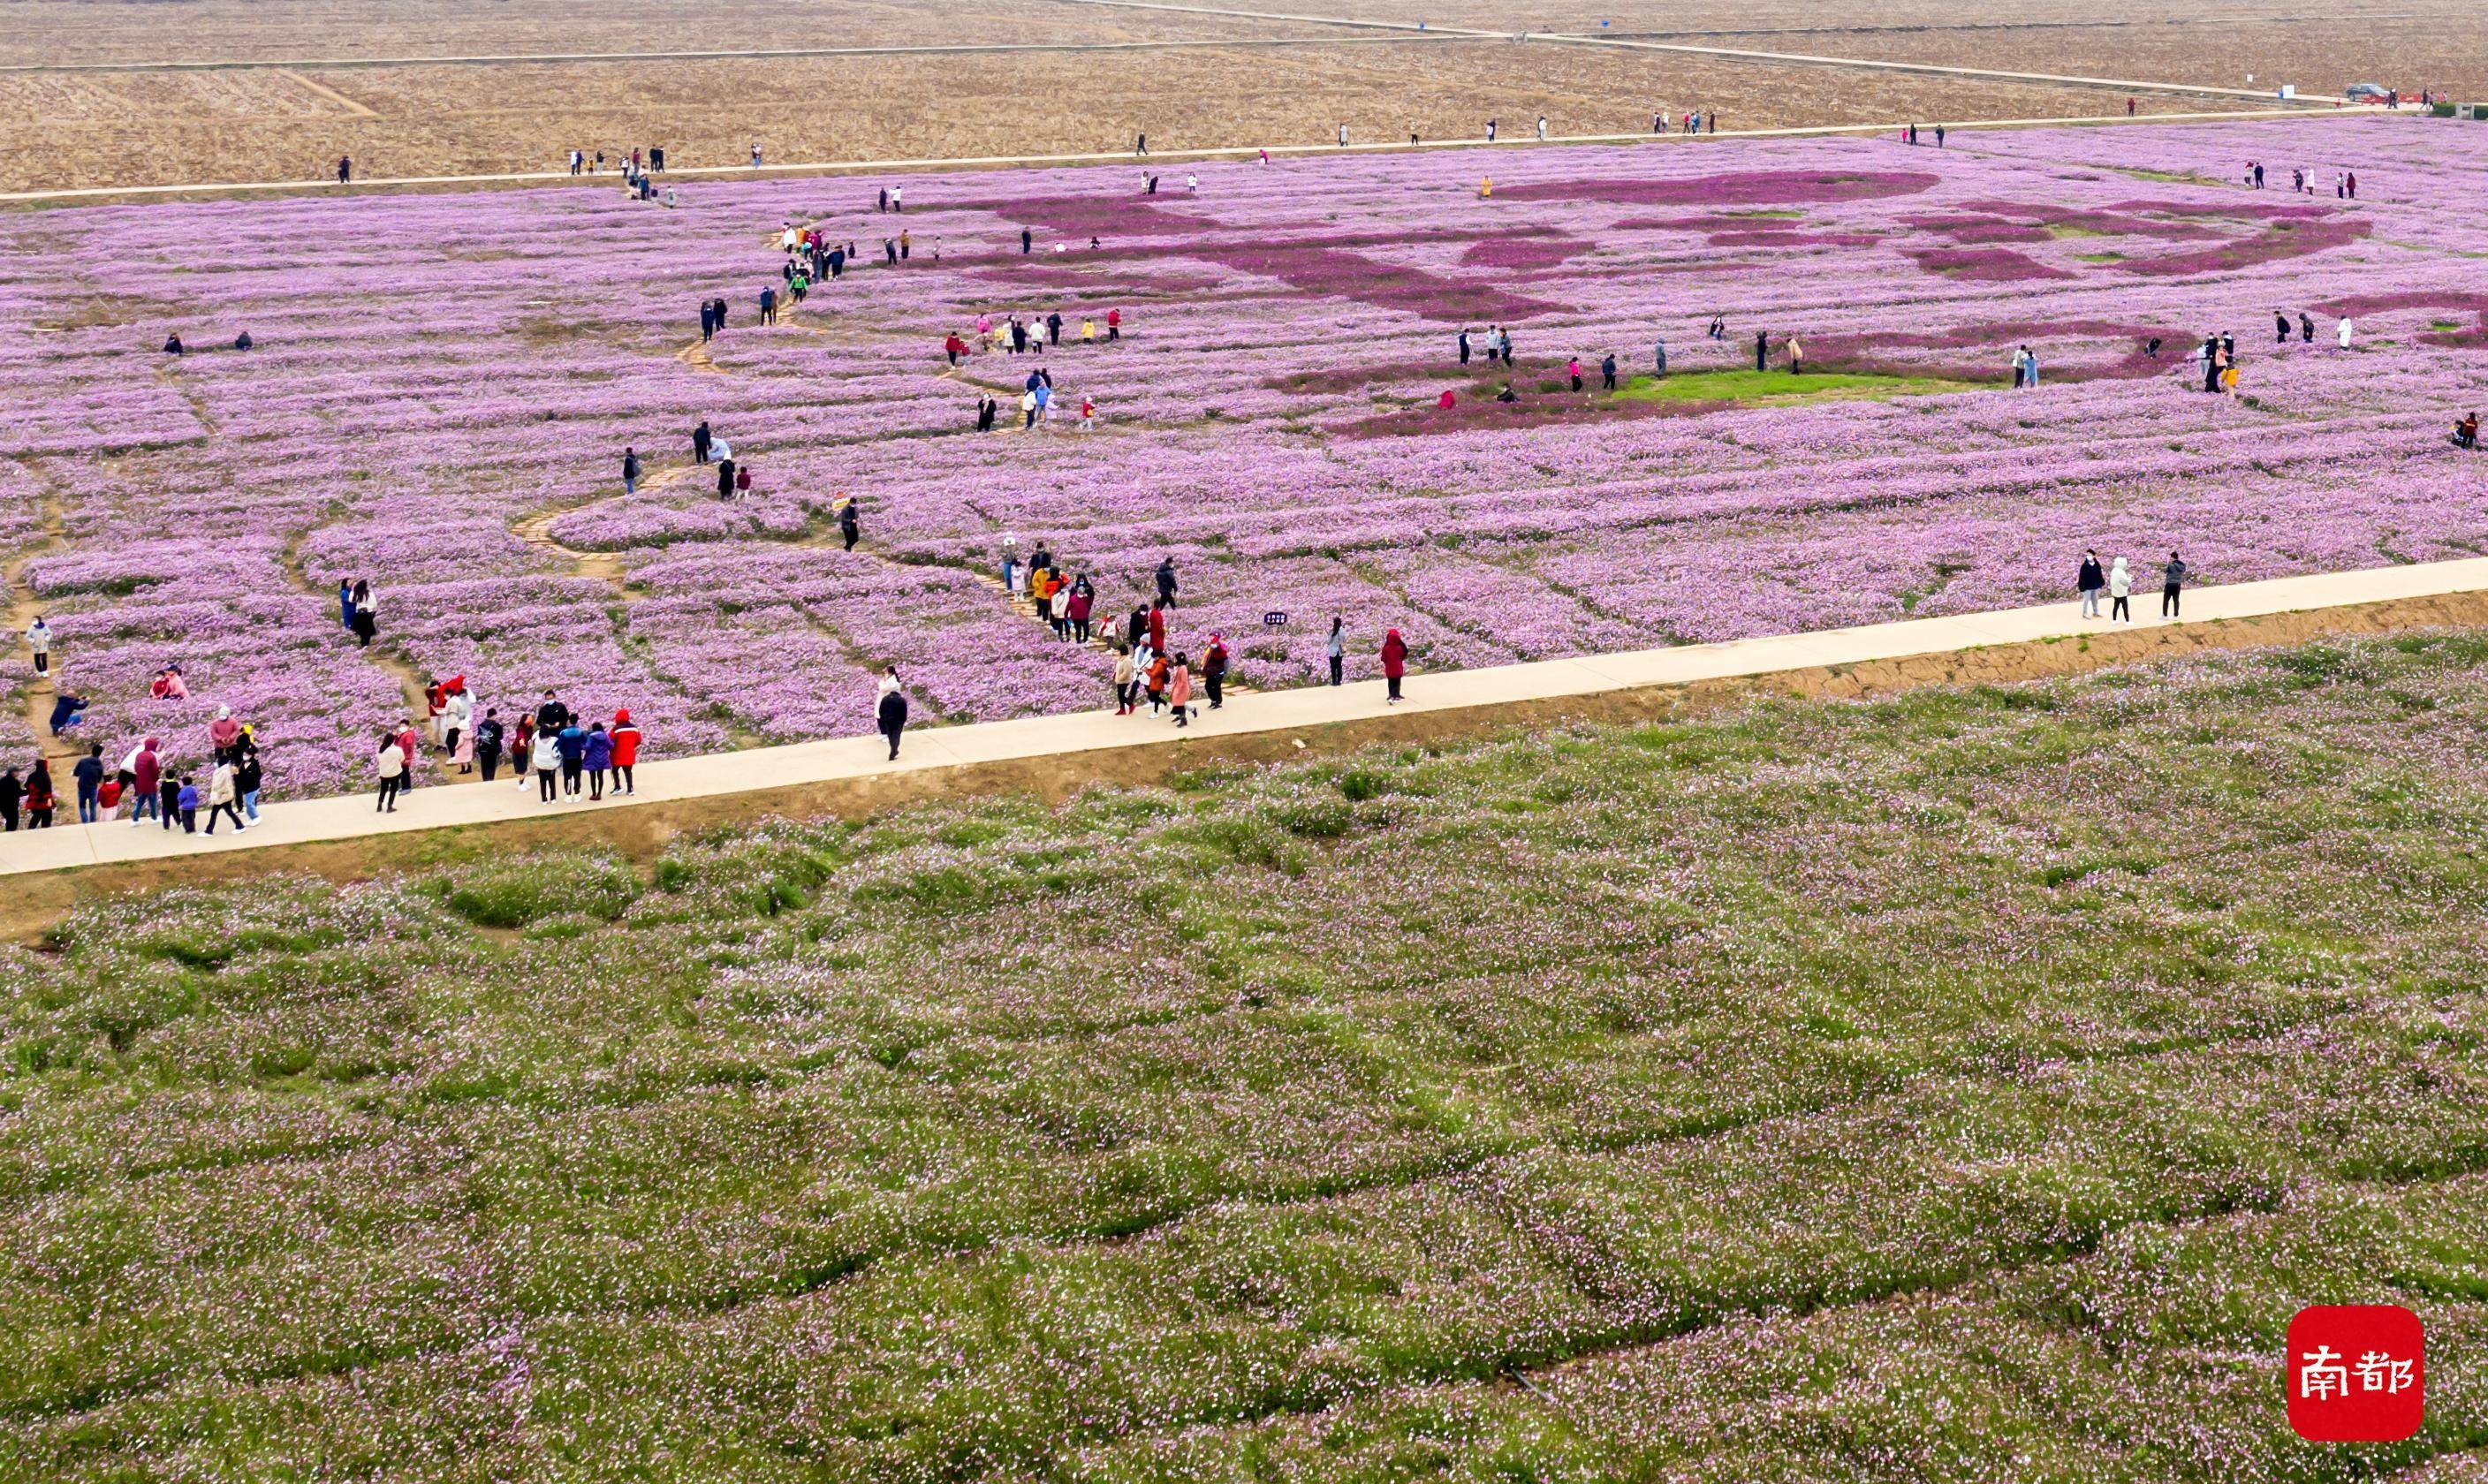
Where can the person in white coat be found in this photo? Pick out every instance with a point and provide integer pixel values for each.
(2344, 332)
(2120, 591)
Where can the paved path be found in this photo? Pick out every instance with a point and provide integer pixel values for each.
(689, 173)
(1088, 740)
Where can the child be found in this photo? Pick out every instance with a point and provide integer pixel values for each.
(108, 800)
(185, 798)
(168, 801)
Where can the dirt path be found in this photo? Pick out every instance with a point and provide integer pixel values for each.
(23, 605)
(411, 681)
(326, 94)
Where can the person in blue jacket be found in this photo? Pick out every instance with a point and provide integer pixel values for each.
(572, 743)
(597, 753)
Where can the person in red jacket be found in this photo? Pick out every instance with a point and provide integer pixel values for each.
(1157, 628)
(1395, 660)
(407, 744)
(954, 348)
(626, 752)
(1113, 324)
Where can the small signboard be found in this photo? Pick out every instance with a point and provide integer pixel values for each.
(1274, 619)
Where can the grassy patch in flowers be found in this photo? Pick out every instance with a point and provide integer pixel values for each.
(1777, 388)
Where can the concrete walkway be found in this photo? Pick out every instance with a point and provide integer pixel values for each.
(689, 173)
(1047, 751)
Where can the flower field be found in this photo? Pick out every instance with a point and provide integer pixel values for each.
(444, 385)
(1962, 1087)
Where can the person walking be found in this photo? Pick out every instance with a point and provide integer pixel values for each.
(366, 612)
(1762, 351)
(1797, 358)
(1334, 649)
(1165, 581)
(389, 761)
(89, 777)
(2172, 577)
(1464, 347)
(39, 644)
(1180, 689)
(2343, 332)
(701, 441)
(2090, 582)
(248, 776)
(1122, 682)
(2120, 587)
(629, 471)
(221, 793)
(889, 710)
(726, 479)
(1213, 671)
(1607, 372)
(12, 792)
(1395, 661)
(545, 755)
(1572, 370)
(345, 605)
(850, 528)
(344, 169)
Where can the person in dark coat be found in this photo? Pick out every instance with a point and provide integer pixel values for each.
(1165, 581)
(2090, 582)
(892, 710)
(1213, 671)
(849, 527)
(629, 471)
(1762, 351)
(700, 441)
(11, 794)
(726, 479)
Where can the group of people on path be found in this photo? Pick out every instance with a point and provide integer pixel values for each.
(2114, 584)
(142, 778)
(554, 748)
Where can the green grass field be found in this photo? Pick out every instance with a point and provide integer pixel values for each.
(1774, 388)
(1966, 1086)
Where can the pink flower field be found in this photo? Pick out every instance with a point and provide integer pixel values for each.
(442, 387)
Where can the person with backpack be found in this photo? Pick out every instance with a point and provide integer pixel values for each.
(487, 743)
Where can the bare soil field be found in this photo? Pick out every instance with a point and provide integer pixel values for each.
(61, 126)
(142, 128)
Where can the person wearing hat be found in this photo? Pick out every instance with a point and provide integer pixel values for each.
(626, 752)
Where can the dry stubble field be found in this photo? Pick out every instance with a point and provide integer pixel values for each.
(63, 128)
